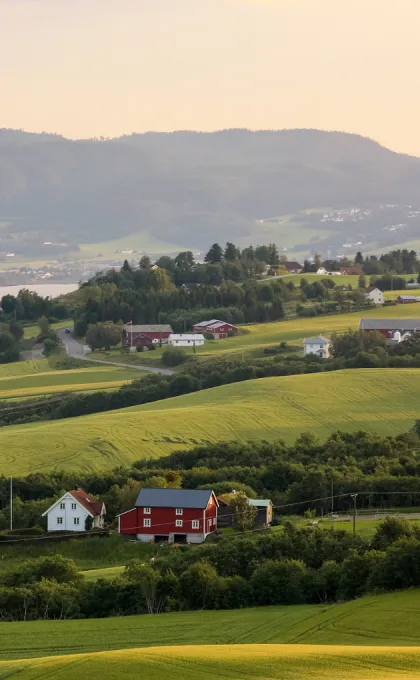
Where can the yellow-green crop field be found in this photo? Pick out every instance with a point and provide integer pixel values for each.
(373, 637)
(106, 573)
(386, 401)
(244, 662)
(36, 378)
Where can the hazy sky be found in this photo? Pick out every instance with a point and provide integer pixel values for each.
(107, 67)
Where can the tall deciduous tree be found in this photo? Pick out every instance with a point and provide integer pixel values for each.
(243, 513)
(103, 335)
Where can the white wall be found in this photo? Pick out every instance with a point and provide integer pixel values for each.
(186, 343)
(317, 349)
(68, 515)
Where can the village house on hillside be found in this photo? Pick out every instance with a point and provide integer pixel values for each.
(293, 267)
(352, 270)
(395, 330)
(320, 346)
(145, 335)
(219, 329)
(186, 340)
(407, 299)
(374, 295)
(76, 511)
(171, 515)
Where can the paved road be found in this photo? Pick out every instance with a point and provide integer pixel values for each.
(76, 350)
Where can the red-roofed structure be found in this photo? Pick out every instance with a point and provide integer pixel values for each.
(76, 511)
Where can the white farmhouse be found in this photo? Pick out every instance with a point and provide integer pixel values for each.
(374, 295)
(71, 511)
(319, 346)
(186, 339)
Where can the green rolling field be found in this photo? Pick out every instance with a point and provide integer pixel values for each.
(36, 378)
(373, 637)
(386, 401)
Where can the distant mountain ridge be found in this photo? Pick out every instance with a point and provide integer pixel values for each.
(189, 187)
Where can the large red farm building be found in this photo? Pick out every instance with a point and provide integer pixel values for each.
(143, 336)
(389, 327)
(219, 329)
(172, 515)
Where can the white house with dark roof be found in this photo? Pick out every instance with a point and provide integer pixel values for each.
(320, 346)
(374, 295)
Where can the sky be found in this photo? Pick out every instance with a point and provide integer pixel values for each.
(90, 68)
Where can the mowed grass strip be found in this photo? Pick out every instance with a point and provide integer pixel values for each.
(386, 401)
(106, 573)
(248, 662)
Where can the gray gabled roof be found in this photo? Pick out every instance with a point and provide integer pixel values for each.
(173, 498)
(320, 340)
(389, 325)
(146, 328)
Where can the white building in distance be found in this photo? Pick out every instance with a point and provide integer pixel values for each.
(186, 340)
(320, 346)
(71, 511)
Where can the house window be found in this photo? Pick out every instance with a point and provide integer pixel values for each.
(195, 524)
(76, 520)
(321, 346)
(62, 506)
(73, 506)
(178, 522)
(147, 522)
(147, 511)
(179, 511)
(59, 520)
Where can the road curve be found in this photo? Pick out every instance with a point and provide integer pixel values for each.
(76, 350)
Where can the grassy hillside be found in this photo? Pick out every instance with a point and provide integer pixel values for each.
(390, 619)
(380, 400)
(45, 380)
(247, 662)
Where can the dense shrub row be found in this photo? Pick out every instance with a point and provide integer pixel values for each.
(286, 566)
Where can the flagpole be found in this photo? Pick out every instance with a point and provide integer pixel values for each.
(11, 503)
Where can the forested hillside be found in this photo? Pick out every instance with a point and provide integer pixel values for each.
(179, 186)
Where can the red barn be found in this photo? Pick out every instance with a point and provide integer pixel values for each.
(406, 299)
(219, 329)
(388, 327)
(172, 515)
(142, 336)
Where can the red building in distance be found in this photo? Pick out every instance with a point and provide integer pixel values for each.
(172, 515)
(142, 336)
(219, 329)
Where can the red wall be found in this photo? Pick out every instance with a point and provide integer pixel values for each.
(163, 521)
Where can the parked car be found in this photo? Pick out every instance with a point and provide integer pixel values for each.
(67, 330)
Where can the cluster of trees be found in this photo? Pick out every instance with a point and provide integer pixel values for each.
(29, 306)
(384, 471)
(11, 333)
(120, 297)
(285, 567)
(395, 262)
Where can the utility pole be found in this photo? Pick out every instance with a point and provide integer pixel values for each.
(332, 495)
(11, 503)
(354, 497)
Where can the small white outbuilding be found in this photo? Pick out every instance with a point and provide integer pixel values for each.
(319, 346)
(186, 340)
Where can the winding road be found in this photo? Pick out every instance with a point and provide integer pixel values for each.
(76, 350)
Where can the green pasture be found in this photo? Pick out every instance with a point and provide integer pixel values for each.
(51, 381)
(106, 573)
(33, 330)
(382, 620)
(386, 401)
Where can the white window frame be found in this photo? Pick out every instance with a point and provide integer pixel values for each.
(147, 511)
(62, 506)
(147, 522)
(76, 520)
(74, 506)
(196, 524)
(59, 520)
(179, 523)
(179, 511)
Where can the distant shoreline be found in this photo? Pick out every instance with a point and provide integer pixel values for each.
(52, 290)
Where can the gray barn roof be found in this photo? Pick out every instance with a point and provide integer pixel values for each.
(173, 498)
(146, 328)
(389, 325)
(320, 340)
